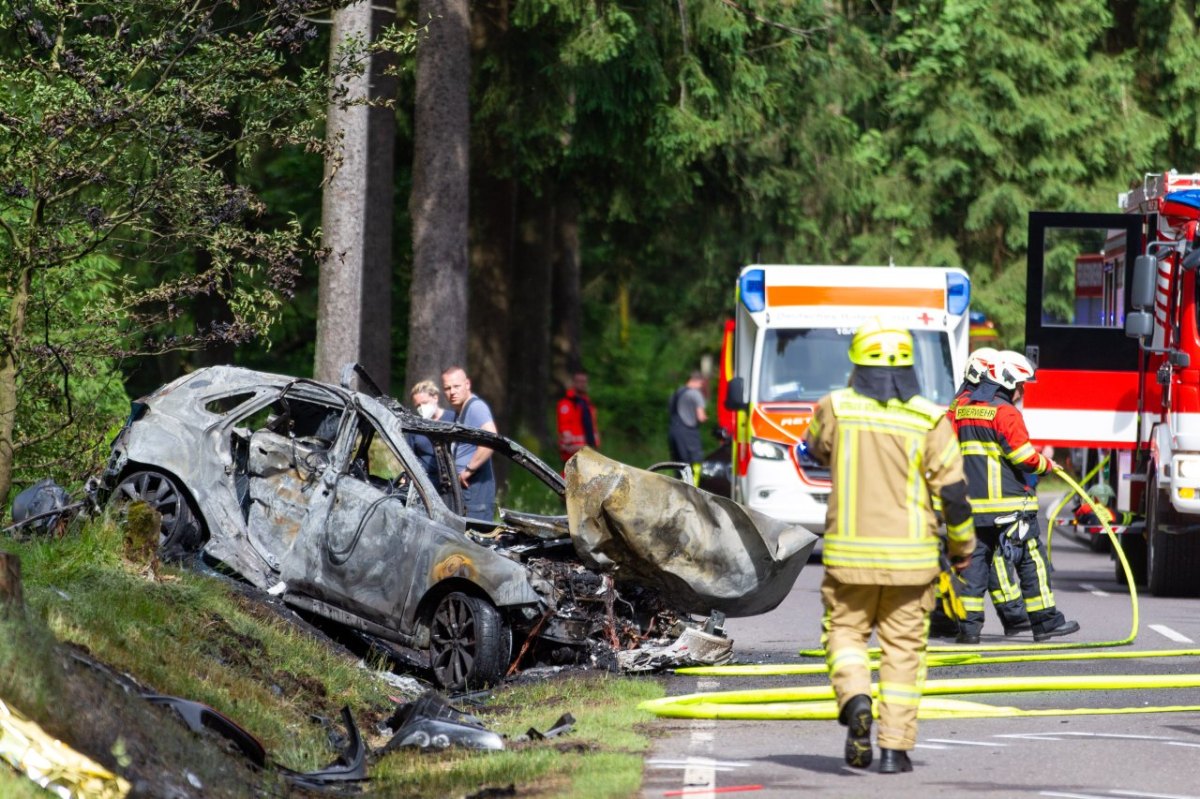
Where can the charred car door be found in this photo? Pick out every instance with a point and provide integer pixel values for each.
(281, 449)
(366, 531)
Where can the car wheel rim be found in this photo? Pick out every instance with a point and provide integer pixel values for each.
(453, 639)
(157, 492)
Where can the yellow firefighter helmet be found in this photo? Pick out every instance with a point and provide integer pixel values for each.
(876, 344)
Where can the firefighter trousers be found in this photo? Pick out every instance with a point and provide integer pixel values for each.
(899, 615)
(1027, 558)
(1005, 592)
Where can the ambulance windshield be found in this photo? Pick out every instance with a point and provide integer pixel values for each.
(806, 364)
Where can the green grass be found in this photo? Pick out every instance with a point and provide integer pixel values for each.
(601, 757)
(194, 636)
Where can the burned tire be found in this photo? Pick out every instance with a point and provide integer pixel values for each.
(1172, 561)
(181, 533)
(469, 643)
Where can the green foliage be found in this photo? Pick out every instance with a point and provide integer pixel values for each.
(632, 377)
(125, 127)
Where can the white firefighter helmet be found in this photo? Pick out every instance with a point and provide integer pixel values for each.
(1010, 369)
(978, 362)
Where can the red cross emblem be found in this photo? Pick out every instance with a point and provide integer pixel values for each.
(925, 317)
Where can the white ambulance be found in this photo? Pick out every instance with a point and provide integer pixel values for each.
(792, 333)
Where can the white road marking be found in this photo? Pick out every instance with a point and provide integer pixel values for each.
(677, 762)
(931, 746)
(1167, 632)
(687, 767)
(1091, 589)
(1144, 795)
(957, 742)
(701, 772)
(1055, 736)
(1182, 743)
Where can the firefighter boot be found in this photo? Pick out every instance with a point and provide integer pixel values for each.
(893, 761)
(856, 715)
(1018, 628)
(1066, 628)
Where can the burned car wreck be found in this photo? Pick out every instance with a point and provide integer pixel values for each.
(313, 493)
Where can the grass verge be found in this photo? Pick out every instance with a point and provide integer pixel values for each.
(199, 637)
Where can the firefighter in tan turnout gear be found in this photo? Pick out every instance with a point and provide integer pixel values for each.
(889, 451)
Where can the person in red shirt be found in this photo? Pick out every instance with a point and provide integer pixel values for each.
(577, 426)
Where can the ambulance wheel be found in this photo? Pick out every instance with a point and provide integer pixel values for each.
(1172, 559)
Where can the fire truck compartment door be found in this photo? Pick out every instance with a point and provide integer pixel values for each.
(1080, 269)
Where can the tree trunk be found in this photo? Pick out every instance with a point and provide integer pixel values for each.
(354, 306)
(8, 379)
(568, 302)
(493, 231)
(529, 364)
(439, 203)
(491, 288)
(12, 599)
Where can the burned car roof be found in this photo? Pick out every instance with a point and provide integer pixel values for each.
(313, 492)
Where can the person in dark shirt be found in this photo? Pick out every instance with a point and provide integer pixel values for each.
(425, 401)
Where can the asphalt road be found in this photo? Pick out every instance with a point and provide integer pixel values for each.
(1151, 755)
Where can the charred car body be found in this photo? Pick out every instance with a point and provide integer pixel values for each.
(314, 493)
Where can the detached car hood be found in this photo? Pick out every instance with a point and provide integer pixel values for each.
(701, 551)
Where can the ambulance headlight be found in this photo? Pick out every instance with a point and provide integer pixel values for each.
(767, 450)
(1188, 468)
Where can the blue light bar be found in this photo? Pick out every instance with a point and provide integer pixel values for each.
(752, 286)
(1186, 197)
(958, 293)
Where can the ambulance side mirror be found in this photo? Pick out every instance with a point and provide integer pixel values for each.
(1145, 275)
(1139, 324)
(735, 395)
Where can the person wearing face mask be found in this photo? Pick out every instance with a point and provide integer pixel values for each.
(425, 401)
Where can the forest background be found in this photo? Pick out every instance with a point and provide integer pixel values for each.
(625, 161)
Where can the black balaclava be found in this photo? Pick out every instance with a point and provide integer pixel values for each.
(882, 383)
(988, 389)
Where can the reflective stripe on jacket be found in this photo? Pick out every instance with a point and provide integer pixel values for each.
(887, 462)
(997, 453)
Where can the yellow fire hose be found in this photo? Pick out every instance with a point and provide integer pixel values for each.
(1062, 503)
(817, 702)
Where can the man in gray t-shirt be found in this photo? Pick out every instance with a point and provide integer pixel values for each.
(683, 433)
(473, 463)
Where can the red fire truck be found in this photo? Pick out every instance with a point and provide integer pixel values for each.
(1113, 323)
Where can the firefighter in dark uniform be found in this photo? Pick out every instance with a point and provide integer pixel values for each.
(1003, 586)
(998, 456)
(890, 452)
